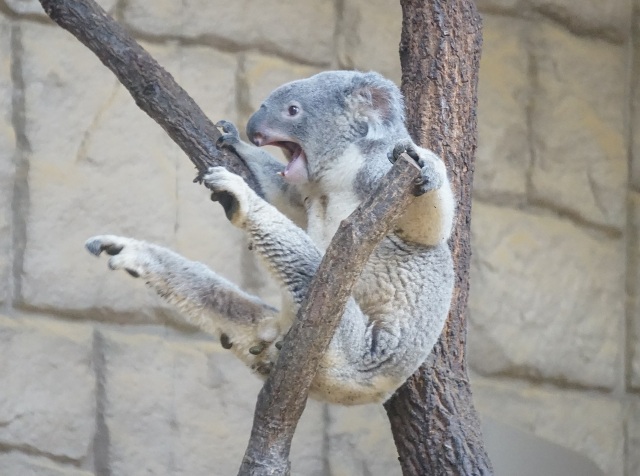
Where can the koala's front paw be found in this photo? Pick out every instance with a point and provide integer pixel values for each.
(231, 136)
(126, 253)
(232, 192)
(432, 178)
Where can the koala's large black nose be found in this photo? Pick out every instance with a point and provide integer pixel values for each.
(253, 127)
(257, 138)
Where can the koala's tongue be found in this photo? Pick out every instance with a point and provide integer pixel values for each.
(296, 169)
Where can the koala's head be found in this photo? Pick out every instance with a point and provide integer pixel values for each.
(314, 120)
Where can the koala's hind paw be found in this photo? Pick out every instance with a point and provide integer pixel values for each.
(231, 136)
(431, 177)
(126, 253)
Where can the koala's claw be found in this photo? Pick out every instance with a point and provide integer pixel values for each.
(230, 137)
(405, 147)
(231, 191)
(431, 178)
(97, 245)
(225, 342)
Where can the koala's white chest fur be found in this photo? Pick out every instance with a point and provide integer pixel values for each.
(333, 199)
(324, 214)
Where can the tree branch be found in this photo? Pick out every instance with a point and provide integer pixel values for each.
(434, 423)
(152, 87)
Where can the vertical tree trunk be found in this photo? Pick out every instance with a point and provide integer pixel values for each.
(435, 426)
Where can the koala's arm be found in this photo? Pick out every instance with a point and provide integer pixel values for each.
(268, 172)
(428, 220)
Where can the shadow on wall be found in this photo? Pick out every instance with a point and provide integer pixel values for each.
(515, 452)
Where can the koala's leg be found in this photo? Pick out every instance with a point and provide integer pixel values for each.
(385, 335)
(429, 218)
(287, 251)
(206, 300)
(268, 171)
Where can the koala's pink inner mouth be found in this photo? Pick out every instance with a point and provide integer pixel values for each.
(296, 170)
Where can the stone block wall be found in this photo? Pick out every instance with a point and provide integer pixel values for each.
(94, 377)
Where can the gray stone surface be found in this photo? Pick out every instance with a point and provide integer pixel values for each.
(190, 406)
(360, 442)
(589, 424)
(360, 49)
(635, 102)
(33, 7)
(504, 155)
(549, 280)
(633, 437)
(7, 163)
(501, 6)
(609, 19)
(633, 288)
(48, 400)
(304, 30)
(580, 156)
(16, 464)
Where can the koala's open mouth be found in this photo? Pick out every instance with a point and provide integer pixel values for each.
(296, 170)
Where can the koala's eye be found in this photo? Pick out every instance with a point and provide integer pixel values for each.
(293, 110)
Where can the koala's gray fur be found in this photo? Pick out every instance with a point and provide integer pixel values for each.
(338, 128)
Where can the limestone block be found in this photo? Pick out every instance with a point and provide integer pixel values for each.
(16, 464)
(190, 406)
(504, 155)
(303, 30)
(47, 402)
(609, 19)
(633, 287)
(635, 104)
(580, 163)
(547, 298)
(7, 162)
(591, 17)
(33, 7)
(633, 438)
(360, 442)
(501, 6)
(589, 424)
(359, 48)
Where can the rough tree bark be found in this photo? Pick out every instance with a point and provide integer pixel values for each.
(435, 426)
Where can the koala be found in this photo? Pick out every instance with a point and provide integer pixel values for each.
(340, 131)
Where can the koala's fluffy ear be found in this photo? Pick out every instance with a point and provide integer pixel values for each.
(377, 99)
